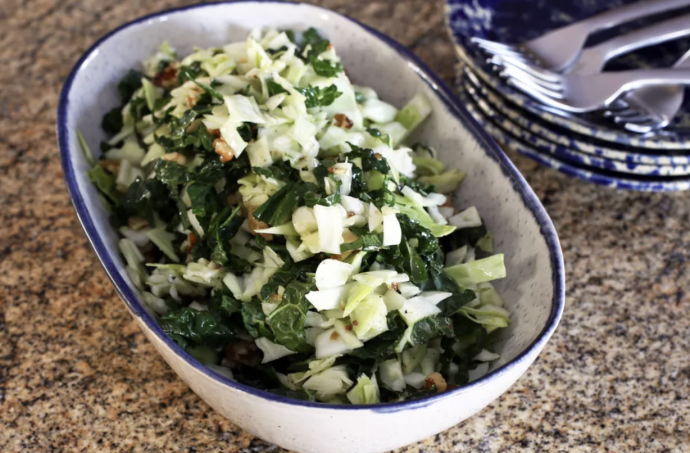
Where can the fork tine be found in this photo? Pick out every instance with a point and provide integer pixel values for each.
(610, 113)
(618, 105)
(644, 128)
(491, 44)
(527, 67)
(545, 100)
(648, 122)
(535, 91)
(556, 94)
(507, 54)
(631, 113)
(654, 122)
(642, 118)
(634, 113)
(639, 130)
(512, 71)
(504, 50)
(511, 57)
(545, 91)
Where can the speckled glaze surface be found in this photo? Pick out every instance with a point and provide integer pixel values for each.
(564, 152)
(521, 228)
(78, 375)
(555, 156)
(504, 21)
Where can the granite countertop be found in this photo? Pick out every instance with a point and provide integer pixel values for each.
(76, 373)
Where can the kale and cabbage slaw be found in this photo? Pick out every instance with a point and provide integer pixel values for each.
(284, 236)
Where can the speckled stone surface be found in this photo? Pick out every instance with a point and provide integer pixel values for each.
(76, 374)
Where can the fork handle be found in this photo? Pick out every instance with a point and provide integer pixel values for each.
(684, 61)
(639, 78)
(647, 98)
(654, 34)
(631, 12)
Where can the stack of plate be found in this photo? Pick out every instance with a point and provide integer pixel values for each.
(590, 148)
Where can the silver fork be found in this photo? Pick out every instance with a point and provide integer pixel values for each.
(593, 59)
(651, 108)
(558, 49)
(581, 94)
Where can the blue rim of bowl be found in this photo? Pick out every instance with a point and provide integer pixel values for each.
(678, 142)
(451, 103)
(593, 175)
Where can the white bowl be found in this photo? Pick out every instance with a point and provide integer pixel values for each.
(533, 290)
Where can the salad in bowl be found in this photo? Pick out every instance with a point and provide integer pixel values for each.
(287, 232)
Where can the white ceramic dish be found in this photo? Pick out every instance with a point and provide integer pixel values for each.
(534, 290)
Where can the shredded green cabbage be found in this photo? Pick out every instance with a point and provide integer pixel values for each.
(292, 240)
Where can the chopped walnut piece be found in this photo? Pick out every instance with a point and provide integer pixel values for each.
(337, 170)
(234, 198)
(175, 157)
(224, 150)
(113, 166)
(214, 132)
(254, 223)
(168, 77)
(437, 380)
(449, 204)
(341, 120)
(244, 352)
(150, 256)
(137, 223)
(349, 236)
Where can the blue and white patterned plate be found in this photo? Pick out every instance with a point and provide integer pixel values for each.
(568, 138)
(504, 21)
(562, 152)
(597, 176)
(558, 150)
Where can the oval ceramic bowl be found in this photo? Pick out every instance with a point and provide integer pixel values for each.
(563, 152)
(503, 21)
(567, 138)
(534, 290)
(597, 176)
